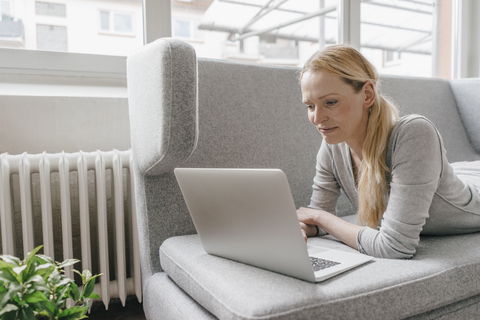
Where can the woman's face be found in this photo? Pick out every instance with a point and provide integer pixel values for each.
(338, 112)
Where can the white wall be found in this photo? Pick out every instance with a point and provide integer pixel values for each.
(53, 124)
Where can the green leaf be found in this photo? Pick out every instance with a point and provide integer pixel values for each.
(73, 313)
(8, 308)
(26, 314)
(4, 297)
(45, 259)
(7, 265)
(86, 274)
(11, 259)
(68, 262)
(54, 278)
(7, 275)
(34, 297)
(94, 295)
(62, 295)
(94, 277)
(36, 279)
(48, 307)
(74, 292)
(88, 289)
(64, 281)
(18, 270)
(12, 294)
(29, 271)
(9, 316)
(44, 270)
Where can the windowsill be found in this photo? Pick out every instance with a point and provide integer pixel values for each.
(62, 90)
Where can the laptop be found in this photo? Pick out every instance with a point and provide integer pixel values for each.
(248, 215)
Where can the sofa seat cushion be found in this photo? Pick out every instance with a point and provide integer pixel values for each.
(444, 270)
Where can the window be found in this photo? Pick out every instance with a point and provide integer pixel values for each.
(107, 27)
(51, 38)
(5, 11)
(50, 9)
(397, 36)
(263, 31)
(115, 22)
(187, 29)
(391, 58)
(221, 25)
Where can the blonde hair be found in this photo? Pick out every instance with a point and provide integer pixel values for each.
(346, 62)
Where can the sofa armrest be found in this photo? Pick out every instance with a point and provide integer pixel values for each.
(162, 94)
(468, 103)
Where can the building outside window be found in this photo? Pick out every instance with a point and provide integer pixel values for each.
(52, 38)
(262, 31)
(116, 22)
(50, 9)
(106, 27)
(5, 11)
(187, 29)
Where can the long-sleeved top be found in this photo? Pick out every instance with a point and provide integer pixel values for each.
(426, 194)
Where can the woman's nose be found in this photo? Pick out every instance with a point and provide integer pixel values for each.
(318, 116)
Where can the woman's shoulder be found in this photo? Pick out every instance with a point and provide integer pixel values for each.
(414, 135)
(414, 120)
(414, 126)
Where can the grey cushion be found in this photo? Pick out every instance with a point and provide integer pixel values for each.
(440, 274)
(163, 299)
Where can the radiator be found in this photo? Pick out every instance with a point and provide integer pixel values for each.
(16, 176)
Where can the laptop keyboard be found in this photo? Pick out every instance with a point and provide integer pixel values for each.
(320, 264)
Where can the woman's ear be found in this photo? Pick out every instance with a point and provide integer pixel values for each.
(369, 92)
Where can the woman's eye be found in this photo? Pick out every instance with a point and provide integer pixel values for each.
(330, 103)
(310, 107)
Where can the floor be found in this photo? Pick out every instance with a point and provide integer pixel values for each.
(133, 310)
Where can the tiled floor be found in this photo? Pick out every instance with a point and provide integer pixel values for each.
(133, 310)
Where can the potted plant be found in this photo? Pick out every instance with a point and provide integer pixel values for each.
(37, 288)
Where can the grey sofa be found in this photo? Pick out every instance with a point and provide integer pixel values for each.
(194, 112)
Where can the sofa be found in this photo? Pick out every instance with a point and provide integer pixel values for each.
(189, 112)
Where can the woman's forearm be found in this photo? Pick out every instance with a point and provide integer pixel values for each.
(337, 227)
(342, 230)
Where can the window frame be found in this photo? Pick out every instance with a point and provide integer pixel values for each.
(78, 68)
(157, 17)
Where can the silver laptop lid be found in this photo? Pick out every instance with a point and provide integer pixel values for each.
(247, 215)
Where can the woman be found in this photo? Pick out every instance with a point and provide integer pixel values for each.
(394, 170)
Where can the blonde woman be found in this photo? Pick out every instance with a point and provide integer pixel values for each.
(394, 170)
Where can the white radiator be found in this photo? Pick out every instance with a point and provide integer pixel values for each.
(23, 167)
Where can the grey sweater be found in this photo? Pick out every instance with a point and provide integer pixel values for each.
(426, 194)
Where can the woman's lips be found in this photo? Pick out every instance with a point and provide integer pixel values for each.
(327, 130)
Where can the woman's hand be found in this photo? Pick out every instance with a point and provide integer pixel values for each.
(308, 219)
(340, 229)
(308, 230)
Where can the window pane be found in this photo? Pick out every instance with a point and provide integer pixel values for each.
(123, 23)
(104, 20)
(111, 27)
(181, 28)
(50, 9)
(5, 9)
(263, 31)
(397, 36)
(52, 38)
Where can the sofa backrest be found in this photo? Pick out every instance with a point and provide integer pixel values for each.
(434, 99)
(243, 116)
